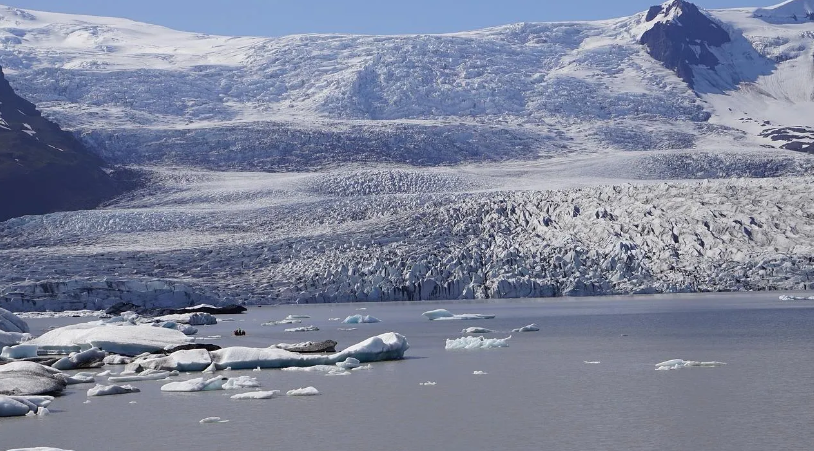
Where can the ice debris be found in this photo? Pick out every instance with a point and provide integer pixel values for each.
(591, 362)
(22, 351)
(443, 314)
(307, 391)
(213, 420)
(529, 328)
(477, 330)
(349, 363)
(478, 342)
(675, 364)
(428, 383)
(256, 395)
(106, 390)
(785, 297)
(479, 373)
(303, 329)
(11, 406)
(359, 319)
(147, 375)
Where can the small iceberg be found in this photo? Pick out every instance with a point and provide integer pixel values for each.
(307, 391)
(529, 328)
(479, 373)
(349, 363)
(591, 362)
(477, 330)
(446, 315)
(256, 395)
(428, 383)
(213, 420)
(147, 375)
(676, 364)
(785, 297)
(478, 342)
(18, 406)
(197, 384)
(297, 317)
(107, 390)
(360, 319)
(303, 329)
(23, 351)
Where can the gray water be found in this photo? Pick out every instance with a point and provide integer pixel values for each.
(538, 393)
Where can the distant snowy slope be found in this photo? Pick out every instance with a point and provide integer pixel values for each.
(145, 94)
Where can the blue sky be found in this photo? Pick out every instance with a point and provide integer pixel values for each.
(282, 17)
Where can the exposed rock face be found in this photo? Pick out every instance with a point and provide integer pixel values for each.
(800, 139)
(681, 36)
(42, 168)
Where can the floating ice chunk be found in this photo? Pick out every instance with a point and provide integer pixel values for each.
(784, 297)
(428, 383)
(338, 372)
(13, 338)
(9, 322)
(478, 342)
(82, 378)
(258, 369)
(192, 319)
(297, 317)
(349, 363)
(529, 328)
(359, 319)
(114, 359)
(591, 362)
(104, 373)
(362, 308)
(124, 339)
(213, 420)
(91, 358)
(303, 329)
(675, 364)
(307, 391)
(479, 373)
(256, 395)
(334, 319)
(284, 321)
(211, 368)
(198, 384)
(22, 351)
(477, 330)
(10, 407)
(143, 376)
(446, 315)
(106, 390)
(40, 448)
(184, 360)
(235, 383)
(310, 369)
(346, 329)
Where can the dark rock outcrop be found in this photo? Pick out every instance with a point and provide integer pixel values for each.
(187, 347)
(42, 168)
(680, 36)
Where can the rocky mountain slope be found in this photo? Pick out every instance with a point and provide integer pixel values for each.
(42, 168)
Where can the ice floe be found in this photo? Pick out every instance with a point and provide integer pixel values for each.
(213, 420)
(81, 378)
(183, 360)
(479, 373)
(193, 319)
(591, 362)
(676, 364)
(256, 395)
(290, 317)
(307, 391)
(12, 406)
(21, 351)
(349, 363)
(197, 384)
(477, 330)
(478, 342)
(90, 358)
(529, 328)
(303, 329)
(360, 319)
(443, 314)
(122, 338)
(147, 375)
(235, 383)
(786, 297)
(107, 390)
(428, 383)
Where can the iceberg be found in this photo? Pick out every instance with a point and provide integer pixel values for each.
(289, 317)
(148, 375)
(307, 391)
(529, 328)
(28, 378)
(194, 385)
(676, 364)
(311, 369)
(256, 395)
(106, 390)
(478, 342)
(184, 360)
(303, 329)
(349, 363)
(359, 319)
(9, 322)
(428, 383)
(13, 338)
(235, 383)
(192, 319)
(81, 378)
(91, 358)
(446, 315)
(118, 338)
(785, 297)
(213, 420)
(479, 373)
(477, 330)
(22, 351)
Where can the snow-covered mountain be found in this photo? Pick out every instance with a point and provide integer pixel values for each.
(140, 93)
(525, 160)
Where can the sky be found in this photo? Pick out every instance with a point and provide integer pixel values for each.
(284, 17)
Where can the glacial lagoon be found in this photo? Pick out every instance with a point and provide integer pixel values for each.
(585, 381)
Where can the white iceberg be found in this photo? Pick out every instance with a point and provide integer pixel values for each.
(192, 319)
(81, 378)
(13, 338)
(359, 319)
(676, 364)
(446, 315)
(428, 383)
(12, 406)
(256, 395)
(120, 338)
(529, 328)
(479, 373)
(303, 329)
(89, 358)
(478, 342)
(235, 383)
(115, 359)
(184, 360)
(213, 420)
(311, 369)
(477, 330)
(307, 391)
(785, 297)
(197, 384)
(9, 322)
(22, 351)
(349, 363)
(297, 317)
(148, 375)
(107, 390)
(591, 362)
